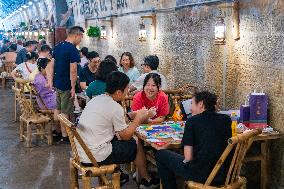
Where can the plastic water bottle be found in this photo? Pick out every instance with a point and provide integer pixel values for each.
(234, 119)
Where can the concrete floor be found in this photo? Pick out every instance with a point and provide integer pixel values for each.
(40, 167)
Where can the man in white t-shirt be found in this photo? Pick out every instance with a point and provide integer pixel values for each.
(103, 128)
(150, 65)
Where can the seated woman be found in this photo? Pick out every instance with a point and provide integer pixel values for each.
(152, 98)
(98, 86)
(47, 95)
(26, 68)
(127, 66)
(87, 73)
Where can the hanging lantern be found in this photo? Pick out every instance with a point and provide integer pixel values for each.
(220, 29)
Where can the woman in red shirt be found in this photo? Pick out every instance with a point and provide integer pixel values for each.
(152, 98)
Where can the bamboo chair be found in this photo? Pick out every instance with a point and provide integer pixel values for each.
(88, 172)
(241, 143)
(20, 84)
(8, 67)
(30, 118)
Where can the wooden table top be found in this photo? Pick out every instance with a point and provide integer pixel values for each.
(174, 144)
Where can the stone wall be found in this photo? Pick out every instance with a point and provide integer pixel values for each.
(187, 52)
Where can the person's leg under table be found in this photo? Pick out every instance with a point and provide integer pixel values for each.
(170, 165)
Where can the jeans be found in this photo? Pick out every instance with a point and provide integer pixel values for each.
(170, 165)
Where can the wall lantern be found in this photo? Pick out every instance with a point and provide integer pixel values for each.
(42, 33)
(36, 34)
(142, 27)
(103, 28)
(103, 32)
(220, 29)
(30, 34)
(142, 31)
(26, 34)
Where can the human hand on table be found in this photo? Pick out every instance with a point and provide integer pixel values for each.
(142, 114)
(152, 112)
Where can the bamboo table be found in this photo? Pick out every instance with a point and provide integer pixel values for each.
(263, 157)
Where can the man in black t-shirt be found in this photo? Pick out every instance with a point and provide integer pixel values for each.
(204, 140)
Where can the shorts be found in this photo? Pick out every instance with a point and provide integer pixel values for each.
(122, 152)
(64, 103)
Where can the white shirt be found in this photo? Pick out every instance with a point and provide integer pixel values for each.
(83, 62)
(100, 120)
(138, 84)
(26, 69)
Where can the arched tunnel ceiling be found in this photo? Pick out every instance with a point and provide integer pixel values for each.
(9, 6)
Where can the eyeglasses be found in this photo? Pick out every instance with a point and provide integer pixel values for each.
(143, 65)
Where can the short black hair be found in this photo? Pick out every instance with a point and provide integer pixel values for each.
(116, 81)
(92, 55)
(42, 63)
(28, 43)
(106, 67)
(32, 55)
(156, 78)
(12, 47)
(43, 42)
(110, 57)
(75, 30)
(45, 48)
(209, 100)
(152, 61)
(84, 51)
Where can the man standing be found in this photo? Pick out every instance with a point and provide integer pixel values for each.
(63, 72)
(29, 47)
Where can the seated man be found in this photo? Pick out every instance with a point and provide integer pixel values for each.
(150, 65)
(103, 128)
(204, 140)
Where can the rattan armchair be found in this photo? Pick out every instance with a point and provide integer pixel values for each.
(88, 172)
(240, 143)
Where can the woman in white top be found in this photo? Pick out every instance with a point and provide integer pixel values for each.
(24, 69)
(127, 66)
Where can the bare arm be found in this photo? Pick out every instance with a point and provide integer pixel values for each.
(73, 77)
(50, 73)
(141, 115)
(188, 153)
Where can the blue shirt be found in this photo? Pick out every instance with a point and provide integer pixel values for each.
(132, 73)
(86, 75)
(64, 54)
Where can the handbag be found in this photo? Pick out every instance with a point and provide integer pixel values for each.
(258, 105)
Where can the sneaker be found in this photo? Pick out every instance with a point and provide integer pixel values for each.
(124, 178)
(152, 184)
